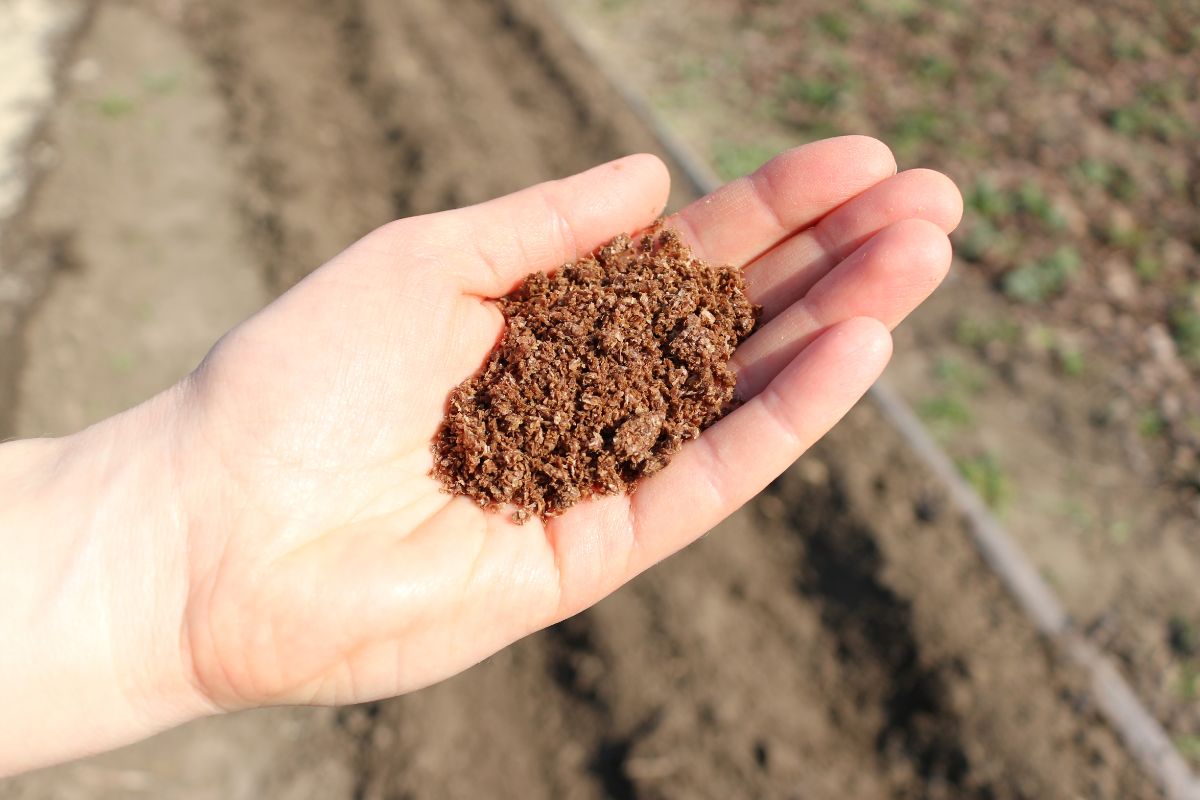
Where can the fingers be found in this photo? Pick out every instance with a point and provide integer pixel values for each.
(748, 216)
(885, 279)
(736, 458)
(547, 225)
(783, 275)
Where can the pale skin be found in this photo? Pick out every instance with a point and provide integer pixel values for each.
(267, 531)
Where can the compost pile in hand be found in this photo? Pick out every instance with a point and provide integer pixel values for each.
(605, 369)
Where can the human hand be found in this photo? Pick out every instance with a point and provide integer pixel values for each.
(317, 559)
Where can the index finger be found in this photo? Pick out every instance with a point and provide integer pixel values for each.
(748, 216)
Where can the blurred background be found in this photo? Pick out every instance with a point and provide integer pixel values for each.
(168, 166)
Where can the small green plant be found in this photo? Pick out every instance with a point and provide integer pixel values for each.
(1189, 746)
(989, 200)
(1165, 93)
(115, 106)
(1043, 279)
(1188, 683)
(1056, 73)
(1070, 361)
(1185, 327)
(933, 69)
(1096, 171)
(978, 333)
(1067, 357)
(915, 128)
(1129, 120)
(1125, 48)
(834, 26)
(1114, 179)
(978, 239)
(1145, 116)
(946, 410)
(1032, 200)
(815, 92)
(985, 473)
(1041, 338)
(1125, 237)
(1079, 513)
(1150, 423)
(1147, 267)
(958, 375)
(1120, 532)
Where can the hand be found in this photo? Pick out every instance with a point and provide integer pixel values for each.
(319, 562)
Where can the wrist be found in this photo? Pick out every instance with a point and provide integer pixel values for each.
(94, 583)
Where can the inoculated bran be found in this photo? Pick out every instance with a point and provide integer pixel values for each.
(606, 367)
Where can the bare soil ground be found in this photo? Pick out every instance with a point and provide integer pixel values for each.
(1059, 366)
(836, 638)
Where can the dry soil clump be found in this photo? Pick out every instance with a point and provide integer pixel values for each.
(606, 367)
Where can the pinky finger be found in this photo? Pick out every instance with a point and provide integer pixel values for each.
(736, 458)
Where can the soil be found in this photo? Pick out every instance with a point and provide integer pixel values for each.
(1054, 364)
(837, 637)
(606, 368)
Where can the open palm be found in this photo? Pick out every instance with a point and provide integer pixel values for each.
(327, 566)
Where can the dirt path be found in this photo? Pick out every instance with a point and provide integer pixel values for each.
(837, 638)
